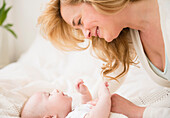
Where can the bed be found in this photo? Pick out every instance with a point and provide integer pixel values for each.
(44, 68)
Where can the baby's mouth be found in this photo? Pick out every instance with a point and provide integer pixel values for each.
(63, 94)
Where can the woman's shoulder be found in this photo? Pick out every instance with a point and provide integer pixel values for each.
(164, 3)
(164, 8)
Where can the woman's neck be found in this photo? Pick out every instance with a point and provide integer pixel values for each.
(139, 15)
(144, 16)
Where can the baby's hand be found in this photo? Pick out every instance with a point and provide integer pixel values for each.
(93, 102)
(104, 91)
(81, 88)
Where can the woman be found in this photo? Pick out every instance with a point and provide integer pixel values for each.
(112, 25)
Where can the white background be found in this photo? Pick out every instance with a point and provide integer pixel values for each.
(23, 15)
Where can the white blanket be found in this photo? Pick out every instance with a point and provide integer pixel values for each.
(44, 68)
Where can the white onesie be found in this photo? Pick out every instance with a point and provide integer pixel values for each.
(80, 111)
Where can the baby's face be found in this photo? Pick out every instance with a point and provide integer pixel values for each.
(52, 103)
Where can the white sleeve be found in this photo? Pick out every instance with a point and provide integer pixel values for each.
(160, 109)
(157, 104)
(76, 114)
(80, 111)
(156, 112)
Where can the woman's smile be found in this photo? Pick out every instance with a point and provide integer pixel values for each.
(97, 32)
(92, 23)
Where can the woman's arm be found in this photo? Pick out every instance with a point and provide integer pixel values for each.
(159, 109)
(125, 107)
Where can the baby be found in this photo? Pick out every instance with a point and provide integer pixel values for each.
(58, 105)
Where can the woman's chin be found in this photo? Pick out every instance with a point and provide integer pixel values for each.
(111, 38)
(108, 40)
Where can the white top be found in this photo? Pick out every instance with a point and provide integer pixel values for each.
(164, 8)
(161, 108)
(157, 102)
(164, 74)
(80, 111)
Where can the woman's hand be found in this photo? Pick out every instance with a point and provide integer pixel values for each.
(125, 107)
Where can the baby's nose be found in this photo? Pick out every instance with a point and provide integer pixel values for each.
(55, 91)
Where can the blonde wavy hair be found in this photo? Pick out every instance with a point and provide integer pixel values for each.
(117, 53)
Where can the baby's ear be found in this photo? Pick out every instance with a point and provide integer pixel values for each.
(49, 116)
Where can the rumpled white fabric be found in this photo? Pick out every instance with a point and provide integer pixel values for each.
(44, 68)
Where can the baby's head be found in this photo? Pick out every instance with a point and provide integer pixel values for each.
(47, 105)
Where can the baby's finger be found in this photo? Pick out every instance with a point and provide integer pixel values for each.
(79, 82)
(93, 103)
(91, 107)
(96, 100)
(76, 86)
(106, 84)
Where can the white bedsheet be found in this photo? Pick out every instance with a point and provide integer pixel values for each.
(44, 68)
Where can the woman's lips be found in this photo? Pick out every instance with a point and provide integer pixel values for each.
(97, 32)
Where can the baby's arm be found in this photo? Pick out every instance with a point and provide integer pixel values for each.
(84, 91)
(103, 106)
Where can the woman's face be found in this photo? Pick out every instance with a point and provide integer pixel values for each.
(92, 23)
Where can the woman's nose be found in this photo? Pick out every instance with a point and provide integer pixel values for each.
(86, 33)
